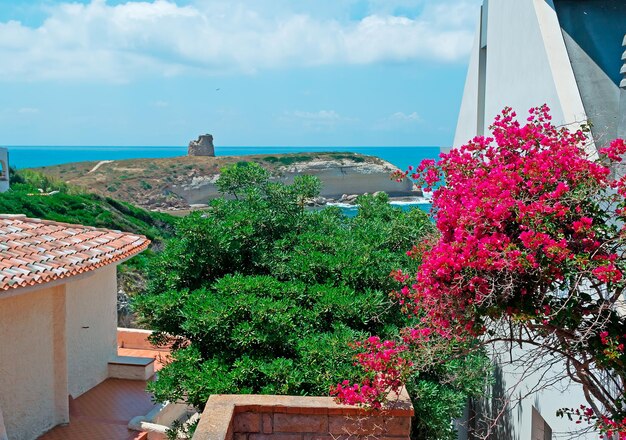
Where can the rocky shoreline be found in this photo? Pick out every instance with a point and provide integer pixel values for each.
(346, 200)
(351, 199)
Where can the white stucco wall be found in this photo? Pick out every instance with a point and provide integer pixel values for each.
(526, 381)
(468, 115)
(518, 69)
(33, 375)
(526, 65)
(91, 328)
(4, 172)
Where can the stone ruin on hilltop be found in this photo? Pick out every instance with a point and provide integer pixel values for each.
(203, 146)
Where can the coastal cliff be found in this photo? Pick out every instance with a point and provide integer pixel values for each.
(183, 182)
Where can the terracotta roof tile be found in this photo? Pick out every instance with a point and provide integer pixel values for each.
(34, 251)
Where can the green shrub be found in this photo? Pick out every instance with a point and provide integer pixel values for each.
(262, 296)
(72, 205)
(35, 181)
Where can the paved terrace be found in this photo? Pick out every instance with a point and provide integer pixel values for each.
(103, 412)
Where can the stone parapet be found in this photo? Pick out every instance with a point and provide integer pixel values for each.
(256, 417)
(134, 338)
(138, 339)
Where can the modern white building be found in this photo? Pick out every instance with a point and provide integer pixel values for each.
(571, 55)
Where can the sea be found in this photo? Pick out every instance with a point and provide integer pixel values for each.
(40, 156)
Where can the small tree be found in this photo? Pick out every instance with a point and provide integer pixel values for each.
(242, 177)
(262, 296)
(530, 250)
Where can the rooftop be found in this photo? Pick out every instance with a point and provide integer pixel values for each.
(34, 251)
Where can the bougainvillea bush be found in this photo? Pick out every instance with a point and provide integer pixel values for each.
(530, 249)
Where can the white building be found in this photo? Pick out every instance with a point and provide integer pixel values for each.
(566, 53)
(570, 54)
(4, 170)
(58, 318)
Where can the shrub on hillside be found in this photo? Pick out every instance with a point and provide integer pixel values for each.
(262, 296)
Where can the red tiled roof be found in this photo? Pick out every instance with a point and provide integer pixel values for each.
(34, 251)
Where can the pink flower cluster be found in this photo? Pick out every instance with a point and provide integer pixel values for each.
(387, 370)
(612, 427)
(605, 424)
(519, 212)
(510, 214)
(615, 150)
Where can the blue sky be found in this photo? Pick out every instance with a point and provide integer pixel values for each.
(251, 72)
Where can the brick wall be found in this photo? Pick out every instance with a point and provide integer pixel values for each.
(135, 338)
(253, 417)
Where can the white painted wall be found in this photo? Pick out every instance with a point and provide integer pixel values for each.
(4, 171)
(54, 342)
(33, 375)
(518, 69)
(468, 115)
(527, 65)
(91, 328)
(526, 381)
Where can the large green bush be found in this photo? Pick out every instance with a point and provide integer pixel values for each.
(263, 296)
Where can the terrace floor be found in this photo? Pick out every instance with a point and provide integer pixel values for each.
(103, 412)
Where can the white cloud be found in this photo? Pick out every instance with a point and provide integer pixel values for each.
(28, 110)
(322, 115)
(317, 121)
(99, 41)
(398, 120)
(403, 117)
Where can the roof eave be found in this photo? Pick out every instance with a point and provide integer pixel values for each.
(22, 289)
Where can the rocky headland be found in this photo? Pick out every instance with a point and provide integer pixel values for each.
(188, 182)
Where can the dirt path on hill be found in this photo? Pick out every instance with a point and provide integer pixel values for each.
(99, 164)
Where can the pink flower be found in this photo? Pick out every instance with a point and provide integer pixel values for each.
(520, 212)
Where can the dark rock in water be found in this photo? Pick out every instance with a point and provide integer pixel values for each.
(203, 146)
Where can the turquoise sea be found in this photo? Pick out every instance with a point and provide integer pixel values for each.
(39, 156)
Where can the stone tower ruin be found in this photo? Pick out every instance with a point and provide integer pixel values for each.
(203, 146)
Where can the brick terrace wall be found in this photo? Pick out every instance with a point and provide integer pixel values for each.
(254, 417)
(134, 338)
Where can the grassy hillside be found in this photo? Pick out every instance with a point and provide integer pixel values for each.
(39, 196)
(87, 209)
(150, 182)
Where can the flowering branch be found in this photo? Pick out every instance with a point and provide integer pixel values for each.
(531, 233)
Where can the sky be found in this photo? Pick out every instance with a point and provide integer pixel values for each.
(250, 72)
